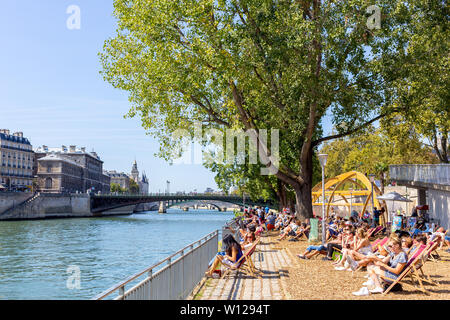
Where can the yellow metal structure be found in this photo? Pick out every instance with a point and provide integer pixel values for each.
(338, 187)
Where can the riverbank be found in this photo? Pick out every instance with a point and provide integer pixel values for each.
(314, 279)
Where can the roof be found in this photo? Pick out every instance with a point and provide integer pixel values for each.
(66, 151)
(56, 157)
(13, 138)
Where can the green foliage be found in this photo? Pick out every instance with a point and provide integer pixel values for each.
(115, 187)
(424, 88)
(375, 150)
(134, 187)
(256, 64)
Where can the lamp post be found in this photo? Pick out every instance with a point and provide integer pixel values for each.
(323, 162)
(372, 180)
(351, 201)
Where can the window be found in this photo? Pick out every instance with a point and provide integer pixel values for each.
(48, 183)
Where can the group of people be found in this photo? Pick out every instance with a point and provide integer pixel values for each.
(349, 247)
(348, 244)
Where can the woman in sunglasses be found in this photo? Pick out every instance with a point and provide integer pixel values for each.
(390, 267)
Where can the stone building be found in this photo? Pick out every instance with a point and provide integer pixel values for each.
(70, 170)
(124, 179)
(119, 178)
(16, 161)
(141, 181)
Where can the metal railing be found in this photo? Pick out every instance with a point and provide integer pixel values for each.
(175, 280)
(426, 173)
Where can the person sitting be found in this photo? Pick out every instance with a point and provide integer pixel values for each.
(303, 230)
(438, 236)
(290, 229)
(312, 251)
(407, 243)
(270, 221)
(249, 237)
(389, 267)
(361, 249)
(332, 231)
(230, 256)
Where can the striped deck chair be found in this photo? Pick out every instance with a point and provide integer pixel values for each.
(378, 229)
(408, 270)
(422, 276)
(380, 244)
(245, 262)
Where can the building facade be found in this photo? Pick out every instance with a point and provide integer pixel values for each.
(124, 179)
(432, 182)
(16, 161)
(70, 170)
(142, 182)
(120, 178)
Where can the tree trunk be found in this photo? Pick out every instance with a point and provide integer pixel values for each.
(303, 202)
(303, 191)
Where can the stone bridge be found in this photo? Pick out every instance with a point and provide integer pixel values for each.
(100, 203)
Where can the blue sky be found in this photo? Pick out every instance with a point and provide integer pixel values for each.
(51, 89)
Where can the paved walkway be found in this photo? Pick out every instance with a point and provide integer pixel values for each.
(270, 285)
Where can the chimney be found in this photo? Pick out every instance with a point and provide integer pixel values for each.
(83, 149)
(18, 134)
(6, 131)
(72, 149)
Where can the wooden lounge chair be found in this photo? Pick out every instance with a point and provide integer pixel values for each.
(377, 231)
(422, 276)
(373, 231)
(409, 270)
(245, 262)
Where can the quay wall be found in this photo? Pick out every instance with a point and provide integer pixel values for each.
(11, 199)
(49, 206)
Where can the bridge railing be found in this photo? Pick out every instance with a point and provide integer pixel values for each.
(173, 278)
(427, 173)
(169, 194)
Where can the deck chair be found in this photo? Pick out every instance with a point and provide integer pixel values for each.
(302, 236)
(245, 262)
(409, 270)
(375, 244)
(373, 231)
(378, 230)
(380, 244)
(419, 275)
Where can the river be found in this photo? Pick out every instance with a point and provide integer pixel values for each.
(35, 255)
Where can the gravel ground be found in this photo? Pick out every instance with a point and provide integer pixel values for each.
(316, 279)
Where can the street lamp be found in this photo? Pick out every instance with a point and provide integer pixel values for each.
(323, 161)
(372, 180)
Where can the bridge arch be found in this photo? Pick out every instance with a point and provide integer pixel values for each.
(100, 203)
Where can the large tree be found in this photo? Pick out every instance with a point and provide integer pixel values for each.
(257, 64)
(424, 88)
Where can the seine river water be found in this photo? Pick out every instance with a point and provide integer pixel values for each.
(35, 255)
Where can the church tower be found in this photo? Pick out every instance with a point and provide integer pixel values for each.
(135, 172)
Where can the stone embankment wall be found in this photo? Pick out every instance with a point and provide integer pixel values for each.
(11, 199)
(44, 206)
